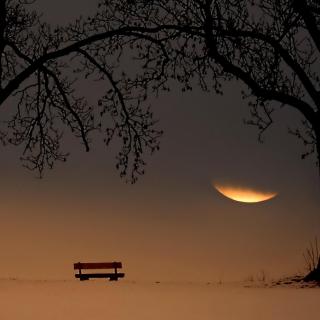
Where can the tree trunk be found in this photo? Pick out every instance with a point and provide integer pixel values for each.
(317, 134)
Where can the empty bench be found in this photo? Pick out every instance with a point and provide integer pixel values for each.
(113, 276)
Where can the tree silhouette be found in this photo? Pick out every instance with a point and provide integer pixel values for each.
(39, 71)
(273, 47)
(312, 261)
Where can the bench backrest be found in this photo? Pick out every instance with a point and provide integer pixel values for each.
(97, 265)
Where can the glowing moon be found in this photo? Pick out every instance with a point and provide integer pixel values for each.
(244, 194)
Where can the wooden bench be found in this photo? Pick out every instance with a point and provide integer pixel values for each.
(98, 265)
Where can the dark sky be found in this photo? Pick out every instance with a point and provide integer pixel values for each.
(172, 224)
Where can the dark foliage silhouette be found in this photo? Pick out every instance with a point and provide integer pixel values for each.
(273, 47)
(312, 261)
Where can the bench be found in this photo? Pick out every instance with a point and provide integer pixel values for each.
(113, 276)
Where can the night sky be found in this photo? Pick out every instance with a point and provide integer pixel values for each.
(172, 224)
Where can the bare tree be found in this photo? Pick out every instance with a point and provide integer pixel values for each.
(312, 261)
(271, 46)
(39, 71)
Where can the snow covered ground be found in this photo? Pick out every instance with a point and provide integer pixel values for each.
(129, 300)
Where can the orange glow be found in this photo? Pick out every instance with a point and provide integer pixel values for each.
(244, 194)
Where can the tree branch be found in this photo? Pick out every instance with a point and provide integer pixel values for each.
(293, 64)
(3, 14)
(309, 19)
(126, 31)
(236, 71)
(59, 86)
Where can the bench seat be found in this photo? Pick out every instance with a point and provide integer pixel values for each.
(98, 265)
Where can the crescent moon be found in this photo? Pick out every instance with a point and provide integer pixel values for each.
(245, 195)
